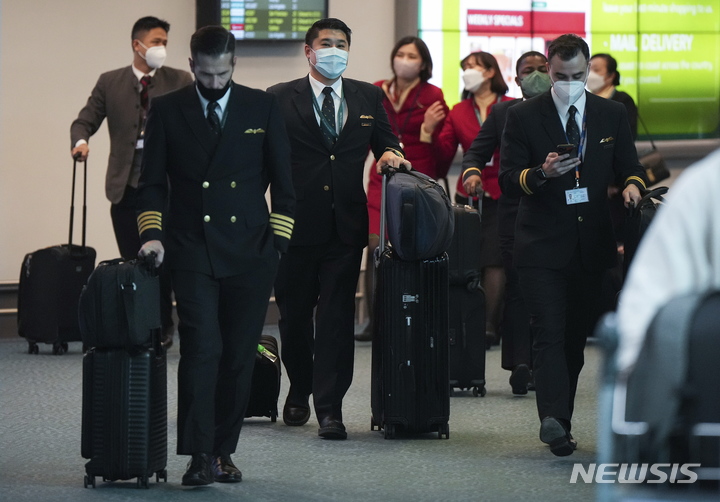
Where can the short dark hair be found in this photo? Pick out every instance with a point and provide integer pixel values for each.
(329, 23)
(422, 48)
(528, 54)
(212, 41)
(148, 23)
(497, 84)
(611, 65)
(567, 47)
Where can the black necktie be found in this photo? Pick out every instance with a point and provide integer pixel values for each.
(145, 83)
(328, 112)
(213, 118)
(571, 128)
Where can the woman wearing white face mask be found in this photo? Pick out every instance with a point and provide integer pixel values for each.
(410, 101)
(484, 86)
(602, 80)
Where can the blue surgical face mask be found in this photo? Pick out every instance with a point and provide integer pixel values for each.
(330, 62)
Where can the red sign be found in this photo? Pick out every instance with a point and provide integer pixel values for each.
(524, 22)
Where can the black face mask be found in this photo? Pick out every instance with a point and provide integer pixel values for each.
(212, 94)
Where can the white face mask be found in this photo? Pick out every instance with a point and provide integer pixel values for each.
(331, 62)
(154, 56)
(473, 79)
(569, 92)
(406, 69)
(595, 82)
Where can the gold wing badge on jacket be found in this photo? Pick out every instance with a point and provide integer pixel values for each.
(255, 131)
(366, 117)
(606, 140)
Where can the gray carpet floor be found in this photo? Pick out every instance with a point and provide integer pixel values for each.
(493, 452)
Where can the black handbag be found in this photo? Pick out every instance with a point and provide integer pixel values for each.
(652, 160)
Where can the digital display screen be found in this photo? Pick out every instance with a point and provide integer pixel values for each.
(271, 19)
(668, 51)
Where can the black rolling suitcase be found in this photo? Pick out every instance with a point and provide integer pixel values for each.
(124, 407)
(265, 387)
(467, 304)
(124, 415)
(50, 283)
(410, 391)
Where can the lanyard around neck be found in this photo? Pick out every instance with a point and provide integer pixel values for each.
(476, 109)
(583, 134)
(328, 125)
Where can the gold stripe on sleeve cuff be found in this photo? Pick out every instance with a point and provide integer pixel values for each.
(282, 225)
(636, 178)
(523, 181)
(149, 220)
(396, 152)
(467, 171)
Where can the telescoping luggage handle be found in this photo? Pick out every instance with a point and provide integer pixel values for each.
(72, 202)
(386, 172)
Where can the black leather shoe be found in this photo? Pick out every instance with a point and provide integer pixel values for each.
(224, 471)
(332, 428)
(199, 471)
(554, 433)
(365, 335)
(519, 379)
(295, 414)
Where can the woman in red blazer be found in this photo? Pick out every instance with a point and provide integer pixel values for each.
(410, 101)
(484, 86)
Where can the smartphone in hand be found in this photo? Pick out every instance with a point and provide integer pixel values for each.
(568, 148)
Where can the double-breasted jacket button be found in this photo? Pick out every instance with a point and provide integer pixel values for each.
(233, 184)
(206, 218)
(580, 218)
(332, 157)
(206, 184)
(233, 219)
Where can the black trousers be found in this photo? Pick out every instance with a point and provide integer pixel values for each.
(319, 355)
(124, 219)
(516, 339)
(560, 304)
(221, 321)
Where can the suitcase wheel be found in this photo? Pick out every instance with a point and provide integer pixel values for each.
(389, 431)
(479, 391)
(59, 348)
(89, 481)
(444, 430)
(33, 348)
(143, 482)
(161, 475)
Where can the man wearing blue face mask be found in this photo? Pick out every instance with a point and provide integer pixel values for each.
(332, 122)
(563, 236)
(123, 97)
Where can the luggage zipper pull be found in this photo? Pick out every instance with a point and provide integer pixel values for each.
(266, 353)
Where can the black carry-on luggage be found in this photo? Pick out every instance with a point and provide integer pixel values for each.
(265, 387)
(124, 406)
(410, 389)
(50, 283)
(467, 305)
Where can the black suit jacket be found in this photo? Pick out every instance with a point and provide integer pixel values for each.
(219, 219)
(328, 180)
(548, 230)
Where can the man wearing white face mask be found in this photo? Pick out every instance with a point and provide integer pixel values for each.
(123, 96)
(332, 121)
(564, 240)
